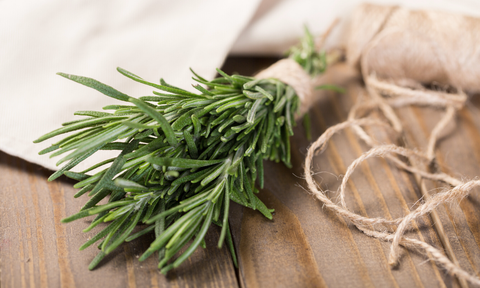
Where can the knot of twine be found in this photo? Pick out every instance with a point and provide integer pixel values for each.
(383, 94)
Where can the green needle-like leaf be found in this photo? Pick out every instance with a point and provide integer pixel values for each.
(99, 86)
(181, 162)
(167, 129)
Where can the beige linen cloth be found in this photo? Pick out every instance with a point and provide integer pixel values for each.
(150, 38)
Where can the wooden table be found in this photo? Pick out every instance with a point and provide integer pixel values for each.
(303, 246)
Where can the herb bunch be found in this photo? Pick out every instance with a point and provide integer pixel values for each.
(182, 157)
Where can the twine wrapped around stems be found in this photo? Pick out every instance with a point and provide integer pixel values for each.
(290, 72)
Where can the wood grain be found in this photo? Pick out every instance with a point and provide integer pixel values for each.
(304, 245)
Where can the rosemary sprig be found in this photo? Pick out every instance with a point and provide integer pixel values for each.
(306, 54)
(183, 157)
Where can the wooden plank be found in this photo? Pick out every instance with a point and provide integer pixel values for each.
(303, 246)
(342, 256)
(36, 250)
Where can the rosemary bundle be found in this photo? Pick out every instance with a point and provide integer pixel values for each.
(182, 157)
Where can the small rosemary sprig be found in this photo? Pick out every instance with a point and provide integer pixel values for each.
(314, 62)
(183, 157)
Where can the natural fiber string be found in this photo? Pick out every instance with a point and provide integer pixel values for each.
(404, 96)
(426, 46)
(447, 118)
(375, 227)
(290, 72)
(397, 96)
(390, 114)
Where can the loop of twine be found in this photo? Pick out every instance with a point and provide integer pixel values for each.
(377, 227)
(384, 95)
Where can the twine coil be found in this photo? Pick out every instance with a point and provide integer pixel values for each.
(425, 46)
(398, 51)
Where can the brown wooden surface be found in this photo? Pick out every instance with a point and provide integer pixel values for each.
(303, 246)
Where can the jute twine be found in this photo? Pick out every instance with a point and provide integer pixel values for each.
(425, 46)
(290, 72)
(391, 83)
